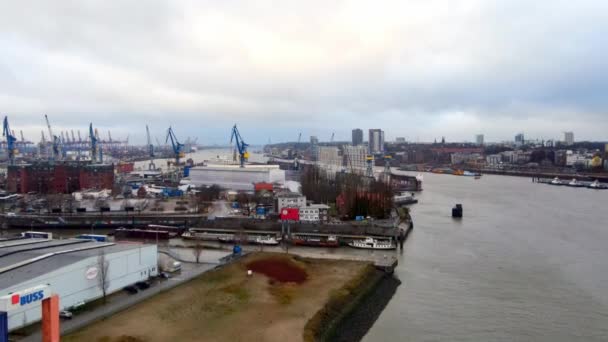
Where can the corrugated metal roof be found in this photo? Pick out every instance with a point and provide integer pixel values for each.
(34, 269)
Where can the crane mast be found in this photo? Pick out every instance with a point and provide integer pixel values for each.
(151, 165)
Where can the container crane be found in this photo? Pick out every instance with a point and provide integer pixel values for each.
(178, 148)
(240, 145)
(55, 141)
(331, 140)
(10, 141)
(151, 166)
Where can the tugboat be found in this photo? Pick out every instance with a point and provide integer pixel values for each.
(457, 211)
(597, 185)
(371, 243)
(574, 183)
(556, 181)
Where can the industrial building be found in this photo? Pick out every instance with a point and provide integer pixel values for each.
(72, 268)
(233, 177)
(330, 158)
(355, 158)
(59, 177)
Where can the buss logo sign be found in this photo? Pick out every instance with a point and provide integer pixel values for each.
(28, 298)
(25, 297)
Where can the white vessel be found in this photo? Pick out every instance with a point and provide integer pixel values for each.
(597, 185)
(265, 240)
(557, 181)
(371, 243)
(575, 183)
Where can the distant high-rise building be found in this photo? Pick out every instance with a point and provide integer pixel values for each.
(519, 139)
(569, 138)
(314, 140)
(479, 139)
(400, 139)
(376, 141)
(357, 136)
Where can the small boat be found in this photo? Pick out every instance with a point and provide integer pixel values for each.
(315, 241)
(597, 185)
(556, 181)
(227, 238)
(404, 199)
(265, 240)
(478, 176)
(371, 243)
(575, 183)
(457, 211)
(204, 236)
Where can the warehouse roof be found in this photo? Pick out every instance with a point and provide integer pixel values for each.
(22, 263)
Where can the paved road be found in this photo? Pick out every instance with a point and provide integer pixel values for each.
(122, 301)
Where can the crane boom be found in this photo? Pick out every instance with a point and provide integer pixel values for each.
(178, 148)
(151, 165)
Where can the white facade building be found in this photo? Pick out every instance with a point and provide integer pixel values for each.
(290, 200)
(71, 268)
(314, 213)
(493, 159)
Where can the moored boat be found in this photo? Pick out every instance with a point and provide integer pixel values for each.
(597, 185)
(575, 183)
(315, 241)
(556, 181)
(265, 240)
(371, 243)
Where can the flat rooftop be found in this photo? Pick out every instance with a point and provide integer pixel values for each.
(25, 261)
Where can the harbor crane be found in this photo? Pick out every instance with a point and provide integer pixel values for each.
(95, 148)
(55, 141)
(241, 146)
(299, 138)
(10, 141)
(178, 148)
(331, 140)
(151, 165)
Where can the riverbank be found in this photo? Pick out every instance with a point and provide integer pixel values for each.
(274, 304)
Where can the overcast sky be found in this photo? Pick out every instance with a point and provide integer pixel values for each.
(420, 69)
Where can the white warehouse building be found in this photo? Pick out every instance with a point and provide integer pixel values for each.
(71, 268)
(234, 177)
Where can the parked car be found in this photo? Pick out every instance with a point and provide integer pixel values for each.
(164, 275)
(65, 314)
(130, 289)
(142, 285)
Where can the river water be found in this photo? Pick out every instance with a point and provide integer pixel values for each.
(528, 262)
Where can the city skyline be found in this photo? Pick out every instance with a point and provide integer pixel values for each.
(280, 70)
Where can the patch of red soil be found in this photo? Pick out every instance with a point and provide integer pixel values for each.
(279, 270)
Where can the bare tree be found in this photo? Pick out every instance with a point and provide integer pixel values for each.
(197, 250)
(103, 267)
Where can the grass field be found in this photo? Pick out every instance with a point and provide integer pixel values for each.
(227, 305)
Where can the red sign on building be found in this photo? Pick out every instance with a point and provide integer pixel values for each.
(290, 214)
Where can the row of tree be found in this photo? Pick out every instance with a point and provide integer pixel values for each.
(354, 195)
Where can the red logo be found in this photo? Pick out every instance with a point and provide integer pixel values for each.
(15, 299)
